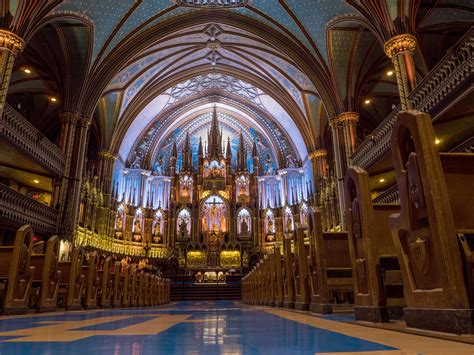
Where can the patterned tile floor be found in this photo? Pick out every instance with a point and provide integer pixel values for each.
(206, 328)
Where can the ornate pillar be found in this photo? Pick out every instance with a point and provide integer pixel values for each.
(107, 159)
(339, 166)
(400, 49)
(10, 46)
(347, 121)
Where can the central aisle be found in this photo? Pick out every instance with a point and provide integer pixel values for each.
(203, 328)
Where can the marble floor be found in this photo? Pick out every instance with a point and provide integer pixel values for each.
(207, 328)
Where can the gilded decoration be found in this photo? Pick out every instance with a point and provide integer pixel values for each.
(11, 41)
(213, 3)
(400, 43)
(318, 154)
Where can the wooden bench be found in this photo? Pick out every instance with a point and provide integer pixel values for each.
(72, 283)
(117, 277)
(126, 286)
(134, 286)
(16, 274)
(301, 287)
(278, 277)
(378, 283)
(434, 231)
(105, 290)
(45, 286)
(92, 281)
(288, 276)
(329, 266)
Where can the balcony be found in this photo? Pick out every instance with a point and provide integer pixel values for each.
(17, 209)
(17, 130)
(454, 73)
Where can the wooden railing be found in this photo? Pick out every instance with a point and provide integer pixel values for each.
(389, 196)
(453, 71)
(23, 134)
(19, 209)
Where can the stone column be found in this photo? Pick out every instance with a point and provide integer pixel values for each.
(339, 166)
(75, 177)
(401, 49)
(10, 46)
(107, 159)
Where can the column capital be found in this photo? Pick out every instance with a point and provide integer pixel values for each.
(348, 118)
(69, 117)
(318, 154)
(400, 43)
(11, 41)
(84, 121)
(107, 154)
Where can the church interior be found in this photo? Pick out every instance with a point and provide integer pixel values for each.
(237, 177)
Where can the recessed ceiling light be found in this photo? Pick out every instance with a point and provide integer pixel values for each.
(36, 181)
(382, 180)
(27, 71)
(390, 73)
(367, 101)
(437, 141)
(53, 99)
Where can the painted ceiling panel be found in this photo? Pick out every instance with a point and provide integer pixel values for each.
(341, 45)
(446, 15)
(315, 14)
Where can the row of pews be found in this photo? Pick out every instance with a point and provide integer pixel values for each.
(39, 280)
(412, 261)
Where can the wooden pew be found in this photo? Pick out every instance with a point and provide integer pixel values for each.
(141, 288)
(44, 295)
(147, 289)
(92, 280)
(328, 265)
(434, 231)
(378, 283)
(126, 286)
(16, 274)
(105, 284)
(287, 271)
(301, 288)
(270, 270)
(72, 282)
(278, 276)
(134, 291)
(117, 277)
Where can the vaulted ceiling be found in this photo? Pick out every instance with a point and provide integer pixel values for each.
(288, 64)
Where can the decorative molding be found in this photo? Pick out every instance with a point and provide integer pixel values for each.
(212, 3)
(16, 129)
(401, 43)
(11, 41)
(21, 209)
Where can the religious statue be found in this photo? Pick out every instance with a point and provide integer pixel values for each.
(183, 228)
(242, 190)
(137, 227)
(157, 229)
(244, 228)
(119, 223)
(270, 228)
(289, 225)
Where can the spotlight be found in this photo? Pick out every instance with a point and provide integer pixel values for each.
(53, 99)
(27, 71)
(36, 181)
(437, 141)
(382, 180)
(367, 101)
(390, 73)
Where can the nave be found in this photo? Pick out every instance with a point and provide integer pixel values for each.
(222, 327)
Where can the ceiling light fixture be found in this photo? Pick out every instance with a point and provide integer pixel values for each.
(53, 99)
(382, 180)
(437, 141)
(390, 73)
(367, 101)
(36, 181)
(27, 71)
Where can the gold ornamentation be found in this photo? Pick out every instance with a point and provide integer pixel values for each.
(400, 43)
(319, 153)
(107, 154)
(11, 41)
(348, 118)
